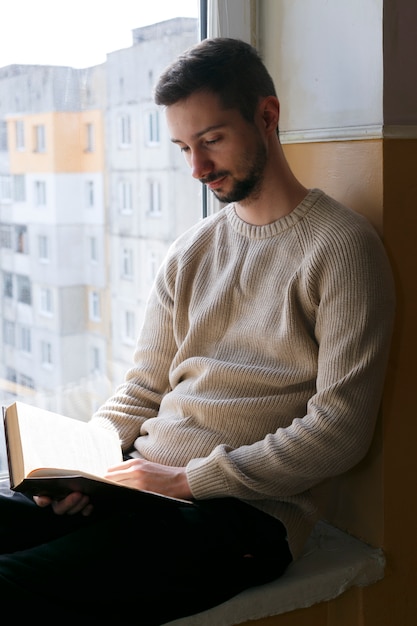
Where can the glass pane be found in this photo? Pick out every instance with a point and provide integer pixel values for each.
(93, 192)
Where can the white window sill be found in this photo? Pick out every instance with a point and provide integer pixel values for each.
(332, 562)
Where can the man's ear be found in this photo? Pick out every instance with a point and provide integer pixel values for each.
(269, 112)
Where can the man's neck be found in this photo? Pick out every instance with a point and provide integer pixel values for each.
(280, 194)
(268, 208)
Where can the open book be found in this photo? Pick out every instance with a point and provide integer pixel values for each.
(50, 454)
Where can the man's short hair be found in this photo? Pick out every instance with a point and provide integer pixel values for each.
(229, 68)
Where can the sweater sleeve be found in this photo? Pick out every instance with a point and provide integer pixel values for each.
(349, 284)
(139, 397)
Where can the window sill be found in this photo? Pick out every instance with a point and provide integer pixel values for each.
(332, 562)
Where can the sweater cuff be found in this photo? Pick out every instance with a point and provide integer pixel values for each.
(206, 477)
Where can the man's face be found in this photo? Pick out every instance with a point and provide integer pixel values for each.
(223, 150)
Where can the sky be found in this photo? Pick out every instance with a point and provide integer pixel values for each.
(78, 33)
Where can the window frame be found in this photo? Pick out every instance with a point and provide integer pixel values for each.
(19, 129)
(124, 130)
(39, 138)
(46, 301)
(40, 193)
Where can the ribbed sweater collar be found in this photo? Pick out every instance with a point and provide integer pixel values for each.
(271, 230)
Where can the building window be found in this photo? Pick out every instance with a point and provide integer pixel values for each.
(43, 248)
(24, 292)
(8, 284)
(89, 194)
(19, 188)
(26, 381)
(6, 236)
(5, 188)
(124, 131)
(8, 333)
(154, 190)
(3, 136)
(95, 309)
(20, 135)
(22, 241)
(40, 141)
(45, 304)
(130, 327)
(95, 360)
(152, 128)
(93, 249)
(125, 196)
(127, 263)
(153, 264)
(89, 138)
(40, 193)
(11, 375)
(46, 353)
(25, 339)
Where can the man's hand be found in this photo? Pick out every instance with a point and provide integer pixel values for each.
(142, 474)
(70, 505)
(135, 473)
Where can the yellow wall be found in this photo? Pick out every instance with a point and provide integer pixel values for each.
(65, 151)
(352, 172)
(397, 592)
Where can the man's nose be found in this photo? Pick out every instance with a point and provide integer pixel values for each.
(200, 164)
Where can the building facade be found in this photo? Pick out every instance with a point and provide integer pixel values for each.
(92, 193)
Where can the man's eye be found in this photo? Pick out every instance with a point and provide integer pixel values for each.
(212, 141)
(184, 148)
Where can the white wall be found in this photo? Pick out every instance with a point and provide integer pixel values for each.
(326, 60)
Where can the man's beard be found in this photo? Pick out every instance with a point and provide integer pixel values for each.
(249, 186)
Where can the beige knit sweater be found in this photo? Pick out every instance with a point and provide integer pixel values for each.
(261, 360)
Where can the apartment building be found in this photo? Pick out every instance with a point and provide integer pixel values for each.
(92, 193)
(152, 197)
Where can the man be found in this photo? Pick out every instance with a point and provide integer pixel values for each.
(257, 375)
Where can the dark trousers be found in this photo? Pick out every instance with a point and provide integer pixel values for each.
(143, 566)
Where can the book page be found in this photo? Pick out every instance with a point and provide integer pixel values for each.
(50, 440)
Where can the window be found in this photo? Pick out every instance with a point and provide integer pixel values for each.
(6, 236)
(52, 246)
(5, 188)
(153, 263)
(127, 263)
(154, 189)
(11, 374)
(8, 284)
(20, 135)
(25, 341)
(152, 129)
(8, 333)
(22, 241)
(93, 247)
(24, 291)
(43, 248)
(89, 194)
(40, 193)
(19, 188)
(95, 360)
(130, 327)
(95, 309)
(89, 138)
(124, 132)
(125, 196)
(3, 136)
(40, 143)
(26, 381)
(45, 304)
(46, 353)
